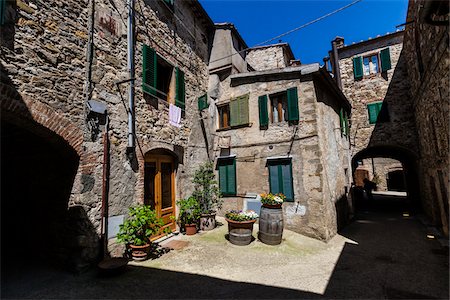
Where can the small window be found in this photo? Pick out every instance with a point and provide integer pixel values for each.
(227, 176)
(224, 116)
(279, 108)
(280, 178)
(378, 112)
(162, 80)
(343, 118)
(370, 64)
(284, 106)
(234, 113)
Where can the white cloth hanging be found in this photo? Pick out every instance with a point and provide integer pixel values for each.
(174, 115)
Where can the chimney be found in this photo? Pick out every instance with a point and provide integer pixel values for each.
(337, 43)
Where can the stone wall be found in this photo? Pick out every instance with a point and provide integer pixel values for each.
(48, 65)
(427, 59)
(267, 58)
(391, 88)
(381, 167)
(318, 181)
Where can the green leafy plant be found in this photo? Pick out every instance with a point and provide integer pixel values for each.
(141, 224)
(272, 199)
(207, 191)
(239, 215)
(189, 210)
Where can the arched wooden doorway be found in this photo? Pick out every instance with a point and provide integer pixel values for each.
(159, 185)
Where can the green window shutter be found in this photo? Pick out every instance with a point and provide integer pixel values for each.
(292, 98)
(227, 176)
(357, 67)
(347, 130)
(287, 188)
(234, 112)
(203, 102)
(231, 177)
(223, 179)
(169, 3)
(179, 89)
(373, 109)
(263, 112)
(341, 121)
(149, 70)
(385, 58)
(243, 110)
(273, 179)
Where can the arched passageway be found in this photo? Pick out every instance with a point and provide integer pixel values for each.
(37, 174)
(400, 174)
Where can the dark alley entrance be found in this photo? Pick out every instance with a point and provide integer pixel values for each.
(394, 256)
(37, 174)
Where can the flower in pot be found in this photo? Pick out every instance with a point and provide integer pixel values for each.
(189, 214)
(142, 223)
(240, 226)
(208, 195)
(272, 200)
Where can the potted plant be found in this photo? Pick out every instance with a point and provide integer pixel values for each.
(271, 221)
(135, 232)
(240, 226)
(272, 200)
(189, 214)
(208, 195)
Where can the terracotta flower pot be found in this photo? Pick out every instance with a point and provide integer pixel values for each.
(272, 205)
(139, 253)
(191, 229)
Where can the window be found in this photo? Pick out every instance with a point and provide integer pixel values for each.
(371, 64)
(279, 108)
(227, 176)
(224, 116)
(203, 102)
(169, 3)
(378, 112)
(283, 108)
(343, 118)
(235, 113)
(280, 178)
(160, 79)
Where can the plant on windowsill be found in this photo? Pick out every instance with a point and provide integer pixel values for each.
(189, 214)
(208, 195)
(272, 200)
(240, 226)
(141, 224)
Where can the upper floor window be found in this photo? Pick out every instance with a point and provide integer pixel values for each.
(160, 79)
(371, 64)
(234, 113)
(283, 108)
(224, 115)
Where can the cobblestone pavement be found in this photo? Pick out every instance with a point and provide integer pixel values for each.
(383, 254)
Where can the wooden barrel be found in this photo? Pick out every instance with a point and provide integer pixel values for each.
(240, 233)
(270, 225)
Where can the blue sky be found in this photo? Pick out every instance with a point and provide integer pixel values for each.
(258, 21)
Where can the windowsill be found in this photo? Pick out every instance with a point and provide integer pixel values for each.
(234, 127)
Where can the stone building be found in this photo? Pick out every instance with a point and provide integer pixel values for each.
(400, 108)
(60, 175)
(277, 126)
(426, 51)
(373, 76)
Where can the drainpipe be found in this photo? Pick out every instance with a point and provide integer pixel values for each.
(130, 65)
(337, 42)
(105, 189)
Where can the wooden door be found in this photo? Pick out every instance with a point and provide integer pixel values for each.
(159, 189)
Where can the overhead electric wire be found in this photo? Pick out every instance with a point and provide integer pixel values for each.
(292, 30)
